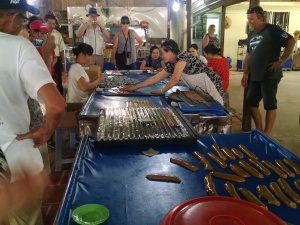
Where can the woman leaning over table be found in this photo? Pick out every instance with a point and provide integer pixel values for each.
(79, 83)
(186, 67)
(124, 40)
(153, 61)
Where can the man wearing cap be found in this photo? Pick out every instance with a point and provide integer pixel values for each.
(38, 31)
(93, 33)
(60, 66)
(263, 62)
(24, 75)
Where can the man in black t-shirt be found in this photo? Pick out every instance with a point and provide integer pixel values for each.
(263, 62)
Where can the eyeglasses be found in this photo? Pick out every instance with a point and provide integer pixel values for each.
(23, 17)
(125, 23)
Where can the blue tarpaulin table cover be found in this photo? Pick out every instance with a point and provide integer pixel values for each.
(145, 90)
(110, 99)
(214, 108)
(115, 177)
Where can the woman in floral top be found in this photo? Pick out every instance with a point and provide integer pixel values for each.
(186, 67)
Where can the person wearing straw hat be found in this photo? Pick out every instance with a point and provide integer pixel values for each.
(94, 33)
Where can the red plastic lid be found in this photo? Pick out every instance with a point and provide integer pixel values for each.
(215, 210)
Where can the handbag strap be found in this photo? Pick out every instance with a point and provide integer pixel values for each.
(126, 39)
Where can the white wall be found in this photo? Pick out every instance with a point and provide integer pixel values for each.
(156, 16)
(237, 13)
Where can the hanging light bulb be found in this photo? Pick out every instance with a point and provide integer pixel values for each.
(176, 6)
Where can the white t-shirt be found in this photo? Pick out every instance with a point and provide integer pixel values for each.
(22, 73)
(203, 59)
(59, 42)
(74, 93)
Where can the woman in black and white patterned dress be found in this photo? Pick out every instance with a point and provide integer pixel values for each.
(186, 67)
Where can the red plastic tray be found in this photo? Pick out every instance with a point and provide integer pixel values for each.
(215, 210)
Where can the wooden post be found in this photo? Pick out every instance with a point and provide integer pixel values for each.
(246, 122)
(189, 22)
(170, 2)
(223, 29)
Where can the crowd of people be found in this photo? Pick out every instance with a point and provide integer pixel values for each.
(38, 65)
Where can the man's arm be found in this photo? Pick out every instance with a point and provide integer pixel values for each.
(48, 47)
(288, 49)
(63, 60)
(104, 31)
(246, 69)
(83, 27)
(285, 55)
(55, 106)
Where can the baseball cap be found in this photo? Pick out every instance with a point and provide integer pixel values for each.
(125, 19)
(256, 9)
(18, 4)
(39, 25)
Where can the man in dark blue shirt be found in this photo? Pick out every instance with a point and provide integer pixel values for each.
(264, 60)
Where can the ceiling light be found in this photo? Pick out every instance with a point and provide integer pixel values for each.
(176, 6)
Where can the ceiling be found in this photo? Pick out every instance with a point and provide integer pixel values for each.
(202, 6)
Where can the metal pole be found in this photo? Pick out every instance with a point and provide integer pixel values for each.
(246, 122)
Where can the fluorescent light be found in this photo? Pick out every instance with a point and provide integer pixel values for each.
(176, 6)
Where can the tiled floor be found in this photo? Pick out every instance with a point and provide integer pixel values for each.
(53, 194)
(286, 130)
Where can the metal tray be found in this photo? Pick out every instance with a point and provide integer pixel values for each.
(144, 126)
(211, 124)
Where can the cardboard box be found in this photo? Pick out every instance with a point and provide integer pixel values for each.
(93, 72)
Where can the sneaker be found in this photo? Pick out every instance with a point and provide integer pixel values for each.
(51, 144)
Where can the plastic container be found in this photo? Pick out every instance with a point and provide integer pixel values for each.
(215, 210)
(215, 108)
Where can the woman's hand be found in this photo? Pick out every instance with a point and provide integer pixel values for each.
(113, 61)
(156, 92)
(100, 80)
(159, 69)
(128, 88)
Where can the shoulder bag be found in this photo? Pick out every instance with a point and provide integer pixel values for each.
(121, 58)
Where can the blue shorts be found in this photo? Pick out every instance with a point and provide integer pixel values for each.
(266, 90)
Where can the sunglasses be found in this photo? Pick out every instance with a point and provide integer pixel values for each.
(125, 23)
(255, 10)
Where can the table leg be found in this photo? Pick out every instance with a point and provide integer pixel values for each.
(58, 149)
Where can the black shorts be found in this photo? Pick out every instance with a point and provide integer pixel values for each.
(266, 90)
